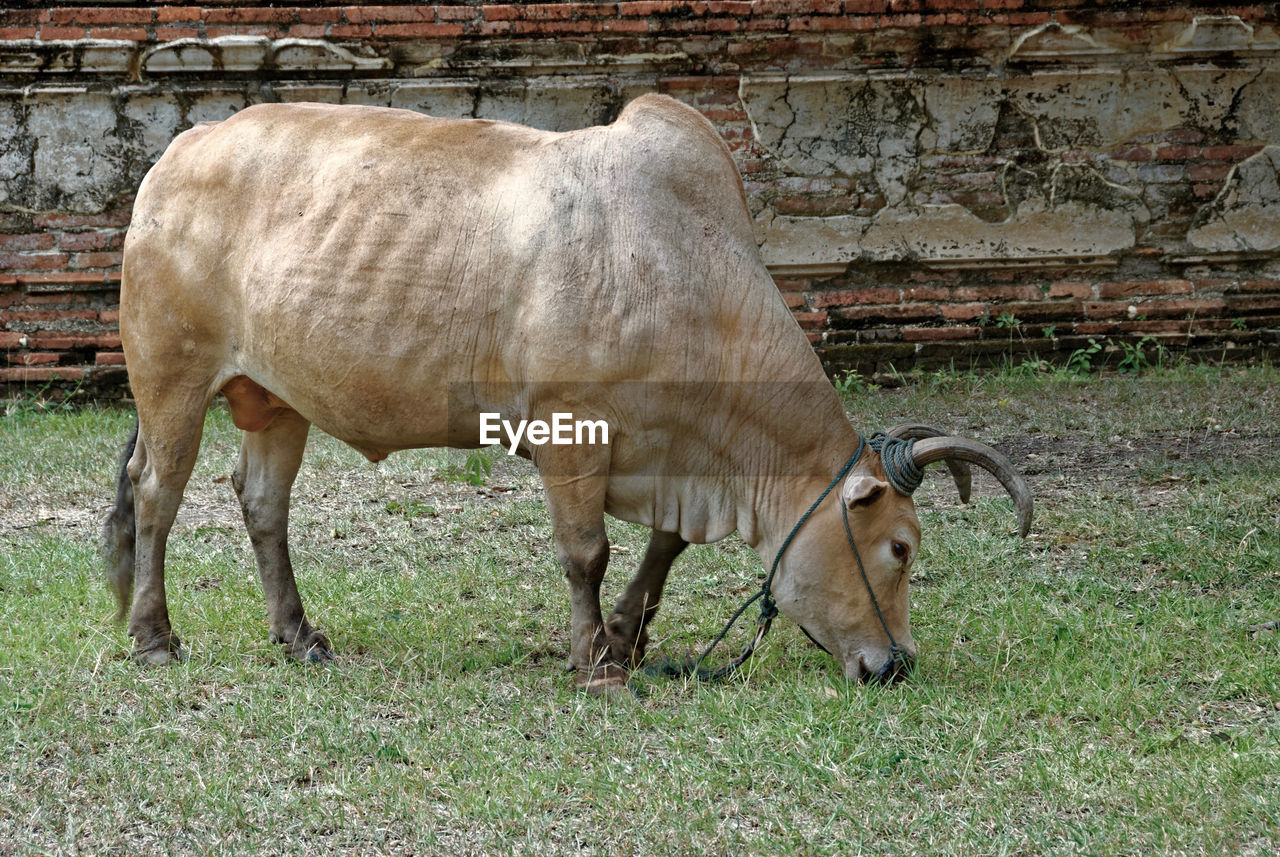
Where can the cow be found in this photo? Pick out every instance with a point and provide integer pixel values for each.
(390, 277)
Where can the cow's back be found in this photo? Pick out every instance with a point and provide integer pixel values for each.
(359, 261)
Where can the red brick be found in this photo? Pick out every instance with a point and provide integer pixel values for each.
(1252, 303)
(419, 31)
(34, 358)
(33, 262)
(13, 34)
(624, 26)
(50, 33)
(548, 11)
(927, 293)
(38, 374)
(323, 15)
(927, 334)
(97, 260)
(995, 293)
(390, 14)
(63, 340)
(1178, 153)
(494, 28)
(109, 316)
(1258, 285)
(796, 7)
(248, 15)
(27, 241)
(595, 10)
(553, 28)
(794, 300)
(169, 14)
(1096, 328)
(68, 278)
(1039, 310)
(10, 339)
(811, 320)
(1229, 153)
(911, 20)
(172, 34)
(501, 13)
(1208, 172)
(1070, 290)
(735, 7)
(856, 297)
(1029, 19)
(963, 312)
(814, 337)
(25, 16)
(457, 13)
(102, 16)
(866, 7)
(1106, 309)
(1001, 4)
(351, 31)
(1146, 287)
(309, 31)
(661, 7)
(109, 358)
(893, 313)
(134, 34)
(1184, 306)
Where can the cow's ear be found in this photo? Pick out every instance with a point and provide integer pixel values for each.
(859, 489)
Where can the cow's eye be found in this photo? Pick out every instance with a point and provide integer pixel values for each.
(900, 550)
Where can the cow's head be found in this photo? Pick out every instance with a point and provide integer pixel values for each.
(851, 602)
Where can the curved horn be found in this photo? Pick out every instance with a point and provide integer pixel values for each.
(959, 470)
(931, 449)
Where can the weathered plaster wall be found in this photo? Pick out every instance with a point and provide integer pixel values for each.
(921, 172)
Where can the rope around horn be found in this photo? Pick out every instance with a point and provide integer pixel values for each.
(896, 456)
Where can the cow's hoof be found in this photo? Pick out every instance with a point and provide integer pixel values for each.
(161, 653)
(627, 641)
(312, 648)
(607, 680)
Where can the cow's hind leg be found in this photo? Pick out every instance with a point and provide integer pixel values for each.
(263, 478)
(165, 452)
(637, 605)
(576, 504)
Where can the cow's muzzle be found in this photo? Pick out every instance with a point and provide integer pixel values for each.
(898, 667)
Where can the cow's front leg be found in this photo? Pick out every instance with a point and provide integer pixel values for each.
(576, 504)
(269, 461)
(634, 608)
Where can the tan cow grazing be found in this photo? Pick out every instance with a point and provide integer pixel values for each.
(389, 277)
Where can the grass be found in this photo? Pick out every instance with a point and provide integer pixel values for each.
(1095, 689)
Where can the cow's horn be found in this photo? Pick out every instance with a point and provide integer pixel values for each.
(959, 470)
(931, 449)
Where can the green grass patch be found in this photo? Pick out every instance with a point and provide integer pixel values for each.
(1103, 687)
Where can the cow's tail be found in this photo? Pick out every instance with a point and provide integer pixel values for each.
(118, 533)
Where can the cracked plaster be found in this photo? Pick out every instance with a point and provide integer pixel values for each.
(1245, 216)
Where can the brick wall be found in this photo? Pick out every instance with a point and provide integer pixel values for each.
(933, 182)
